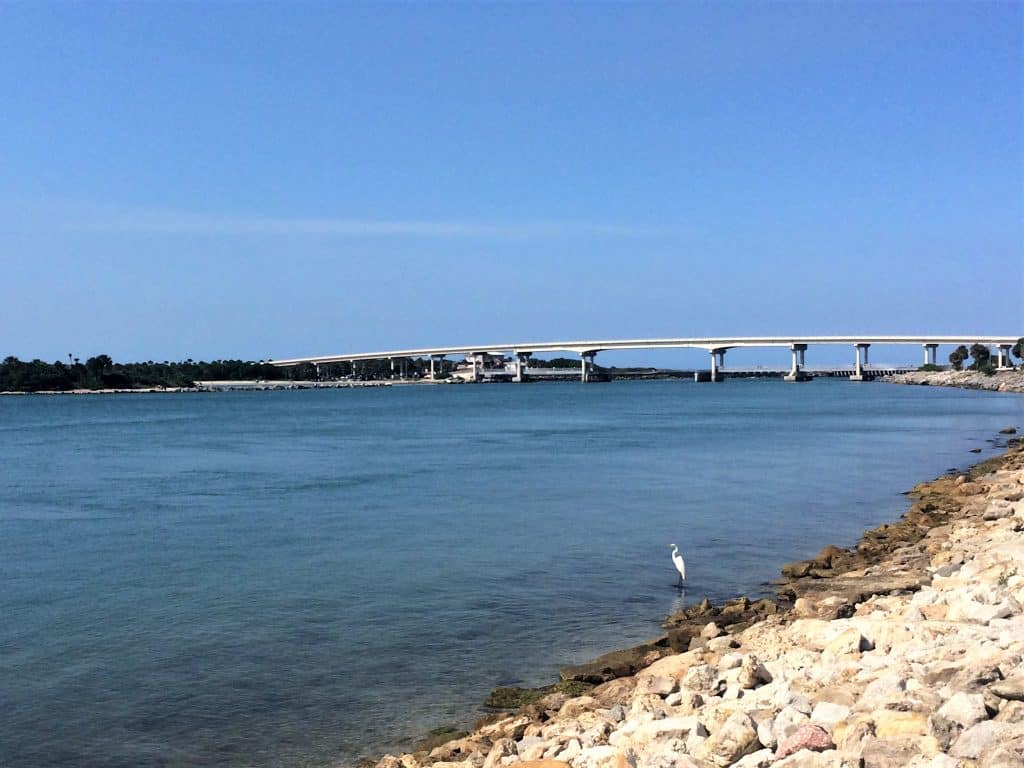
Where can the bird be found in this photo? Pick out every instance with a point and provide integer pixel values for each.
(677, 561)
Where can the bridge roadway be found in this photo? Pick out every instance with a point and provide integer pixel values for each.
(716, 346)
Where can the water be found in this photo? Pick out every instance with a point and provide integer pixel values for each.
(302, 578)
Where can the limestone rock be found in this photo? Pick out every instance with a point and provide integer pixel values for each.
(736, 737)
(658, 684)
(827, 714)
(966, 709)
(1011, 688)
(752, 673)
(979, 738)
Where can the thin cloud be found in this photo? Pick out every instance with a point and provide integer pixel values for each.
(169, 222)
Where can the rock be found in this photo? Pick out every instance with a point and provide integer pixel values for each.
(787, 722)
(648, 706)
(615, 691)
(684, 701)
(1006, 754)
(893, 723)
(603, 756)
(826, 714)
(807, 736)
(735, 738)
(763, 758)
(752, 673)
(577, 706)
(1012, 688)
(766, 735)
(978, 738)
(710, 631)
(944, 731)
(722, 644)
(613, 665)
(501, 749)
(808, 759)
(1008, 431)
(797, 570)
(703, 678)
(659, 684)
(965, 709)
(657, 730)
(848, 641)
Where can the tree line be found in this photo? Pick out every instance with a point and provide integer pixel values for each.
(981, 357)
(101, 372)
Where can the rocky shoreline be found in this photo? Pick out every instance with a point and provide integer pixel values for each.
(1000, 381)
(907, 650)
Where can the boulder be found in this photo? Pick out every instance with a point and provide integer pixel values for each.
(752, 673)
(735, 738)
(807, 736)
(827, 714)
(980, 737)
(965, 709)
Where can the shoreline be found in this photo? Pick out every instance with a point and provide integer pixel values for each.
(1000, 381)
(890, 562)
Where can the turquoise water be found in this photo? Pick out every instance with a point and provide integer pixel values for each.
(303, 578)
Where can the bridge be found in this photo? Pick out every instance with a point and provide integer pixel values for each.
(715, 346)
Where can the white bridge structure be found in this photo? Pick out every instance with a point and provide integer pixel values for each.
(716, 347)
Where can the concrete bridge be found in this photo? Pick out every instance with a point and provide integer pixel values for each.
(716, 347)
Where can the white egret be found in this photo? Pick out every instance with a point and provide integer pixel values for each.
(677, 561)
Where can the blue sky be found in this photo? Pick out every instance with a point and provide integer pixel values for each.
(273, 180)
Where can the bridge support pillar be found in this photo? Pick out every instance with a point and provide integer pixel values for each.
(392, 361)
(433, 371)
(796, 372)
(316, 368)
(717, 362)
(930, 351)
(1004, 357)
(859, 373)
(586, 365)
(475, 370)
(522, 360)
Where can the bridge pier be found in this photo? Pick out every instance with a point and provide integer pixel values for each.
(796, 373)
(859, 374)
(717, 362)
(930, 351)
(475, 372)
(316, 367)
(586, 365)
(1004, 357)
(522, 360)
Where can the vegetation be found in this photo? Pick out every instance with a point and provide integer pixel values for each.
(930, 367)
(101, 372)
(958, 356)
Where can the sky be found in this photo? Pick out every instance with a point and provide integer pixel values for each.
(272, 180)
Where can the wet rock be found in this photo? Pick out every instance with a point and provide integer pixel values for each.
(1008, 431)
(614, 664)
(797, 570)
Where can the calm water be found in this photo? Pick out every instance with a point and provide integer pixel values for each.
(299, 578)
